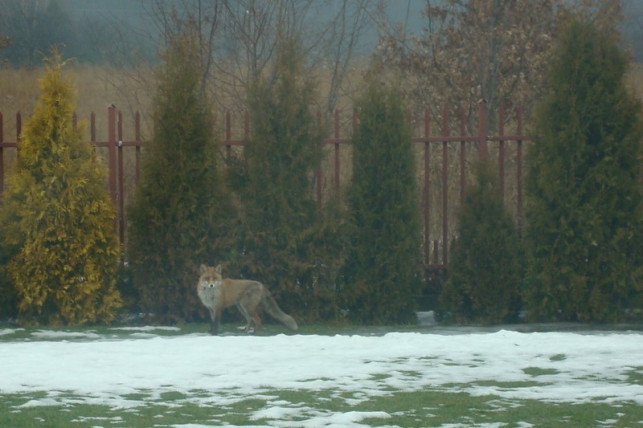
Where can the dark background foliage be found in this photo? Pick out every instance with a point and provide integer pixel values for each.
(485, 269)
(382, 267)
(584, 210)
(283, 237)
(178, 210)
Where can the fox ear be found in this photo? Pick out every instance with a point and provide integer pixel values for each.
(218, 268)
(202, 269)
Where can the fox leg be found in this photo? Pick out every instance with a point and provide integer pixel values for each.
(246, 315)
(256, 316)
(214, 322)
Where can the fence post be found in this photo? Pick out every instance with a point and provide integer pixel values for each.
(1, 156)
(445, 187)
(121, 187)
(318, 169)
(336, 135)
(482, 129)
(228, 134)
(463, 156)
(427, 186)
(519, 172)
(111, 153)
(92, 128)
(18, 126)
(137, 158)
(501, 150)
(246, 126)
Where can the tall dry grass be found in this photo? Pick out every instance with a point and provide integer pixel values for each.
(132, 90)
(96, 88)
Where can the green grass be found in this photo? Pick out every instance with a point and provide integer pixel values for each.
(406, 409)
(438, 406)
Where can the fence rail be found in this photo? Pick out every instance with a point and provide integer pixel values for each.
(435, 153)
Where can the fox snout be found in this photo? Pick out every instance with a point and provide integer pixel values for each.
(210, 284)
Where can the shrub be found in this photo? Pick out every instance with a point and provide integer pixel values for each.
(484, 273)
(176, 216)
(382, 269)
(285, 239)
(584, 198)
(57, 217)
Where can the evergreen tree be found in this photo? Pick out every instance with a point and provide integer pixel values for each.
(283, 238)
(584, 209)
(178, 207)
(57, 217)
(382, 270)
(484, 273)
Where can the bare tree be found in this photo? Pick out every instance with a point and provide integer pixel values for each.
(32, 27)
(202, 17)
(251, 30)
(497, 50)
(239, 38)
(342, 44)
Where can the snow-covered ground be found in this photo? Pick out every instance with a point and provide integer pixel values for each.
(111, 369)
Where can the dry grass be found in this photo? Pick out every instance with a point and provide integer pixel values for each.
(96, 87)
(131, 90)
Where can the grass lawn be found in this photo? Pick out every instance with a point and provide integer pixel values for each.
(404, 409)
(451, 405)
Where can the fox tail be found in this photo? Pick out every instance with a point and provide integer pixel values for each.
(270, 305)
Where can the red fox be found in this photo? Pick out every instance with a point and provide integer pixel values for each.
(217, 293)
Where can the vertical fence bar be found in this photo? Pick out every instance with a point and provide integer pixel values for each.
(18, 126)
(121, 187)
(111, 153)
(336, 136)
(246, 126)
(519, 172)
(482, 129)
(463, 156)
(18, 132)
(427, 186)
(501, 151)
(137, 155)
(445, 188)
(318, 169)
(1, 156)
(355, 121)
(228, 134)
(92, 127)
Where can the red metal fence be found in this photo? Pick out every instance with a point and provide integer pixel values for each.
(443, 160)
(114, 146)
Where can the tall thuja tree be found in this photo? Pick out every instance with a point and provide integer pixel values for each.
(584, 208)
(280, 220)
(382, 271)
(177, 211)
(56, 219)
(485, 268)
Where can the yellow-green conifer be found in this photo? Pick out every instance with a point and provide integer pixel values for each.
(56, 218)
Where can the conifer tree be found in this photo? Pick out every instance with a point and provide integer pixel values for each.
(176, 214)
(283, 239)
(57, 217)
(485, 270)
(584, 208)
(382, 269)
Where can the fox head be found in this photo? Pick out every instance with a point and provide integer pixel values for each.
(210, 276)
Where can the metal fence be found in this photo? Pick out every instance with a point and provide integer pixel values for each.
(444, 157)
